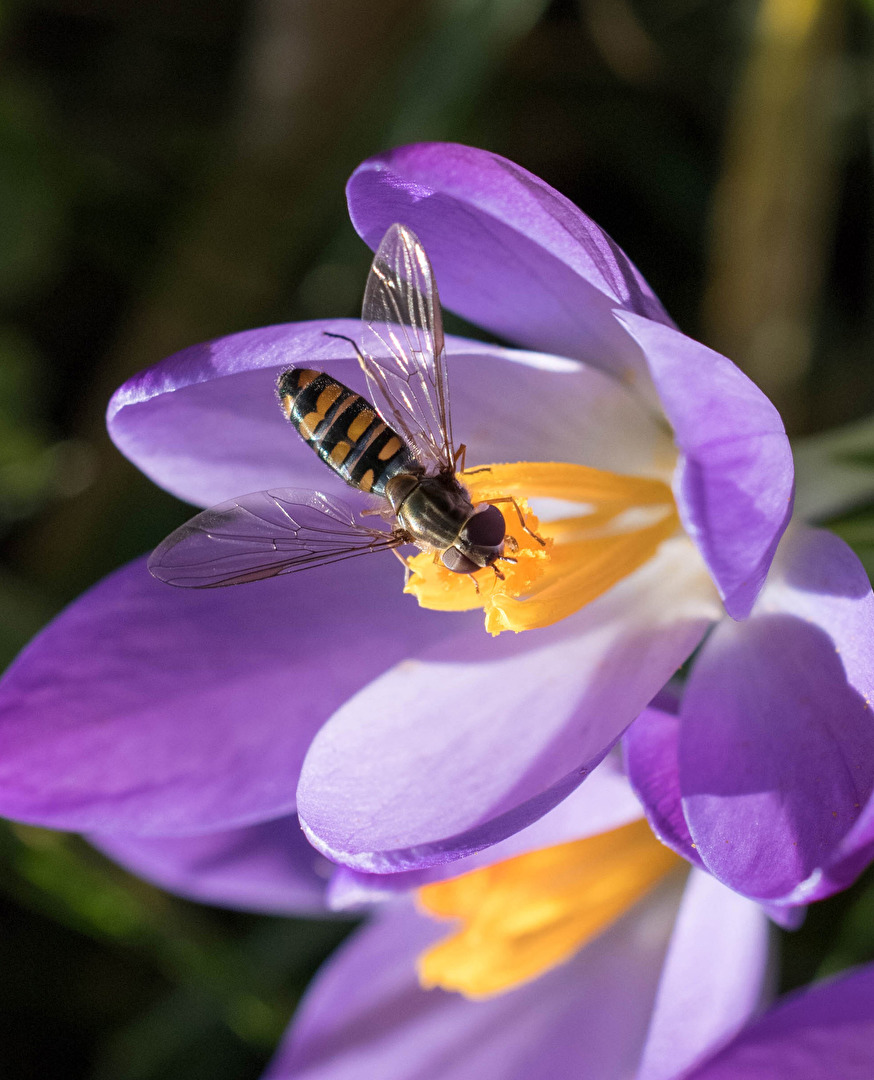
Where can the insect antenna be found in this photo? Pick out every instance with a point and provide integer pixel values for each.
(342, 337)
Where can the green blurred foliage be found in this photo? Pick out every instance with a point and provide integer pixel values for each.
(160, 184)
(857, 528)
(174, 990)
(31, 199)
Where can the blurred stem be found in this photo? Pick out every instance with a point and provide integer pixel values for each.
(772, 216)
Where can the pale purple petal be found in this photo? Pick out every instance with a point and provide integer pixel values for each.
(468, 742)
(205, 423)
(604, 802)
(152, 710)
(734, 483)
(650, 748)
(823, 1033)
(365, 1016)
(509, 252)
(712, 981)
(268, 867)
(776, 739)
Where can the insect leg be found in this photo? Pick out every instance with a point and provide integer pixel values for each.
(386, 513)
(460, 458)
(405, 565)
(510, 499)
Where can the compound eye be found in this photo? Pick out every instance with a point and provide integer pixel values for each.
(457, 562)
(486, 528)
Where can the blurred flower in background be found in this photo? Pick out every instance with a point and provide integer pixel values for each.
(171, 175)
(583, 945)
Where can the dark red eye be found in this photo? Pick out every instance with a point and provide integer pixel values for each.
(485, 529)
(458, 563)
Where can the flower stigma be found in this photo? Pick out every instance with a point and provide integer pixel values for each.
(524, 916)
(623, 521)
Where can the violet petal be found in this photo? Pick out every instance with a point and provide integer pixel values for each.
(509, 252)
(365, 1015)
(152, 710)
(269, 867)
(205, 423)
(468, 742)
(650, 747)
(776, 739)
(712, 980)
(735, 479)
(823, 1033)
(604, 802)
(651, 750)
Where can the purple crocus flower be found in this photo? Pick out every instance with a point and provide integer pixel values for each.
(631, 985)
(649, 1000)
(673, 988)
(407, 737)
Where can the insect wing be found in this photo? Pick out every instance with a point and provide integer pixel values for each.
(404, 356)
(263, 535)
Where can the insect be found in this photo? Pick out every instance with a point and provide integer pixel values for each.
(399, 449)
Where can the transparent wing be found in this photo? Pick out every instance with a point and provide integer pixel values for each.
(263, 535)
(403, 356)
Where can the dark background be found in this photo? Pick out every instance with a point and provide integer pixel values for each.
(173, 170)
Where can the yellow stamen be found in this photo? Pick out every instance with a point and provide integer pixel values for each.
(523, 916)
(623, 521)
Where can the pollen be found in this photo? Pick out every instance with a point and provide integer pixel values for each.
(522, 917)
(551, 569)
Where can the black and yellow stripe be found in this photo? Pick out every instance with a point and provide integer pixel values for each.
(344, 429)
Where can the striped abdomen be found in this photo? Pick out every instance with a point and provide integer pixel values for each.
(344, 429)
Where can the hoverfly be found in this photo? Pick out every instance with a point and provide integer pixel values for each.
(401, 451)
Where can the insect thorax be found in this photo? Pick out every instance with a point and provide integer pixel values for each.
(435, 511)
(344, 429)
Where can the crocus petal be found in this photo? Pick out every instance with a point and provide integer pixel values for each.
(854, 854)
(650, 748)
(473, 740)
(776, 739)
(509, 252)
(205, 423)
(734, 483)
(605, 802)
(712, 981)
(269, 867)
(366, 1016)
(822, 1033)
(152, 710)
